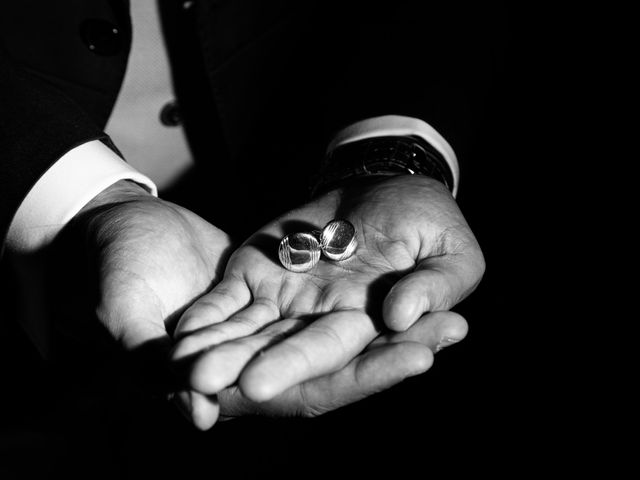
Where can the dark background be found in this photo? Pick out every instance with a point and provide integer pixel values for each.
(484, 406)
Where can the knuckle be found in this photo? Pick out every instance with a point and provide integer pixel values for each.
(302, 358)
(266, 305)
(307, 408)
(313, 411)
(209, 309)
(247, 323)
(333, 337)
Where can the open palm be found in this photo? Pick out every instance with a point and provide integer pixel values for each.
(279, 342)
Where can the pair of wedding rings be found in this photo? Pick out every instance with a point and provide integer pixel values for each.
(300, 252)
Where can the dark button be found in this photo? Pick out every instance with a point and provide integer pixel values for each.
(170, 114)
(101, 37)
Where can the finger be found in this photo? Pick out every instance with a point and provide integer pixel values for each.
(246, 322)
(438, 283)
(202, 411)
(228, 297)
(320, 348)
(221, 366)
(371, 372)
(435, 330)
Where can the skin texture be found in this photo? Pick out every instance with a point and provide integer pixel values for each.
(147, 260)
(152, 259)
(269, 341)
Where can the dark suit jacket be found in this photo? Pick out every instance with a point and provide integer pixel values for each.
(262, 85)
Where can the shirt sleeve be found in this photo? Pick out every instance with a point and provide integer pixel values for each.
(92, 167)
(75, 179)
(391, 125)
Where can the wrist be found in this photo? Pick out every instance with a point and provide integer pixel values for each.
(369, 191)
(120, 192)
(109, 212)
(383, 157)
(367, 183)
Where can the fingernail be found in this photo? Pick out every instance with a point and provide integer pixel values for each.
(445, 342)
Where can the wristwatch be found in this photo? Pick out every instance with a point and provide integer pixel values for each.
(389, 155)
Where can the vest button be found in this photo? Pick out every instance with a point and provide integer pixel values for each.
(170, 114)
(101, 37)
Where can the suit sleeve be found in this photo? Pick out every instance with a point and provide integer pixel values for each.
(38, 125)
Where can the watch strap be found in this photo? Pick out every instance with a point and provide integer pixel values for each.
(388, 155)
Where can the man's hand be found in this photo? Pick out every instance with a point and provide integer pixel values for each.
(269, 340)
(151, 260)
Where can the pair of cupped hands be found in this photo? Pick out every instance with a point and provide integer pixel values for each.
(244, 335)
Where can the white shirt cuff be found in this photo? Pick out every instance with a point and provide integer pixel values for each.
(71, 183)
(390, 125)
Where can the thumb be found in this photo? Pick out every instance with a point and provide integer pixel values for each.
(437, 283)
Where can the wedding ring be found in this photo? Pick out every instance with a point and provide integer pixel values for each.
(338, 240)
(299, 252)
